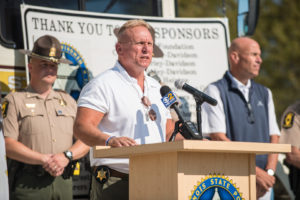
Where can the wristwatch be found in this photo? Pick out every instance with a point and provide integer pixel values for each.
(270, 172)
(69, 155)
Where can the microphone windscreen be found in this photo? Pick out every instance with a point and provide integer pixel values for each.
(164, 90)
(179, 84)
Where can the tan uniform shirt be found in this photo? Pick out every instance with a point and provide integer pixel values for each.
(290, 125)
(43, 125)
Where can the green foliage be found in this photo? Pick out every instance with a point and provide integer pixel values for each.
(278, 34)
(279, 37)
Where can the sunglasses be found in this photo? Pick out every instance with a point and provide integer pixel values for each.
(150, 113)
(251, 118)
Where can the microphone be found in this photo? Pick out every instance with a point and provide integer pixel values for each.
(180, 84)
(188, 130)
(170, 100)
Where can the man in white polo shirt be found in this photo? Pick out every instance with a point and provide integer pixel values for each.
(122, 107)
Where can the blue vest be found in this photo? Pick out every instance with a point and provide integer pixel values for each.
(245, 121)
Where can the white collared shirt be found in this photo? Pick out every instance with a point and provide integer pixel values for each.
(118, 96)
(214, 116)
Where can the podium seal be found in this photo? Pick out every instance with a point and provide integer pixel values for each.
(216, 187)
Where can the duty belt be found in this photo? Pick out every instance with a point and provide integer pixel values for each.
(38, 170)
(102, 174)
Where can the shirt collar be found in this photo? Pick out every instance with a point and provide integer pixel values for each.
(130, 79)
(32, 93)
(239, 84)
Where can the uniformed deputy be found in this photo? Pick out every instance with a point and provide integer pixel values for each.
(38, 129)
(290, 134)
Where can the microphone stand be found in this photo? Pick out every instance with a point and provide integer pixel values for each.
(199, 102)
(177, 124)
(176, 130)
(186, 128)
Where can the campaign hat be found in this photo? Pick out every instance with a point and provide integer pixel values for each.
(47, 48)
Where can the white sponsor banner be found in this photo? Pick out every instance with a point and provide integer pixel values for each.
(193, 49)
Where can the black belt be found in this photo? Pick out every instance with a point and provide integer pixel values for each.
(102, 173)
(38, 170)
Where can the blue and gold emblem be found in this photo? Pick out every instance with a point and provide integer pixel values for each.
(288, 120)
(82, 74)
(4, 108)
(216, 187)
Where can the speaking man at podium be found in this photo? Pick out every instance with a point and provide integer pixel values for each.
(245, 110)
(122, 107)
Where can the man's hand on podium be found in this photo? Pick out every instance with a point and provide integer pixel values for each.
(121, 141)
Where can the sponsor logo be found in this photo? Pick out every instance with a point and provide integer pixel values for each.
(260, 103)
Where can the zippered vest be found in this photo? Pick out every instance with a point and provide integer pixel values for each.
(245, 121)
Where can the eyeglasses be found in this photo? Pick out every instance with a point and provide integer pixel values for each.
(150, 113)
(251, 118)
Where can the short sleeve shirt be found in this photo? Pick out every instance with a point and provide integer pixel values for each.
(43, 125)
(118, 96)
(214, 116)
(290, 125)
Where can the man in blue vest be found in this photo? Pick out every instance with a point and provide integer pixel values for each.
(245, 110)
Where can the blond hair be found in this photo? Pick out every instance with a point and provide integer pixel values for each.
(134, 23)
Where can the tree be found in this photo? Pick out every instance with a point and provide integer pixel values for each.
(279, 37)
(278, 34)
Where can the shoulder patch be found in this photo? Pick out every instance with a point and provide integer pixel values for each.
(288, 120)
(4, 108)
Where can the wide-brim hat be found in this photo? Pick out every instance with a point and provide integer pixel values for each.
(156, 50)
(47, 48)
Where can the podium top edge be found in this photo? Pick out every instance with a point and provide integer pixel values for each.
(191, 146)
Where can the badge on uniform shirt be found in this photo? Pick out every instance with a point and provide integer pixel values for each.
(288, 120)
(4, 108)
(59, 112)
(62, 102)
(30, 105)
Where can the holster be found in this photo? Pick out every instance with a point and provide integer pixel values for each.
(69, 170)
(13, 168)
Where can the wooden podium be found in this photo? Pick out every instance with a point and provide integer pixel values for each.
(187, 169)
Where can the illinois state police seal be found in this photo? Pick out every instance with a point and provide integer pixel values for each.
(215, 187)
(72, 78)
(75, 57)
